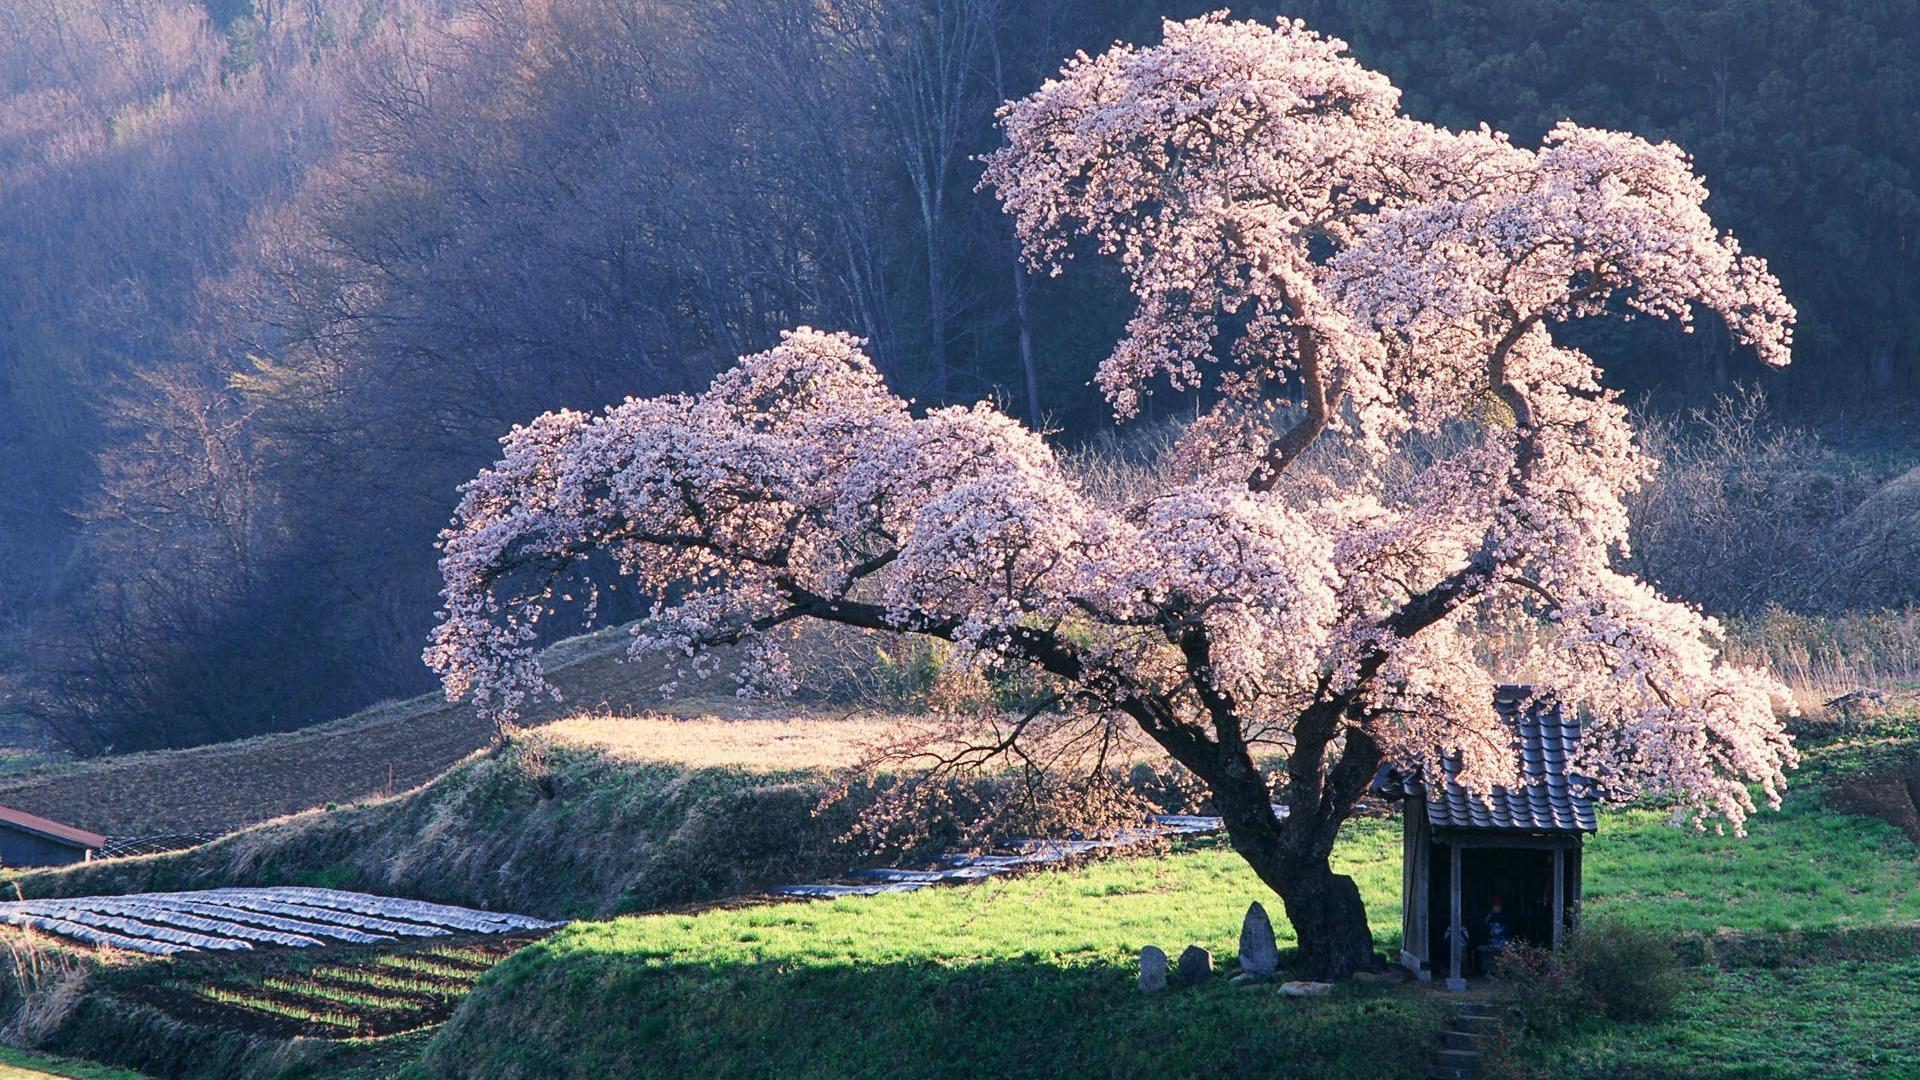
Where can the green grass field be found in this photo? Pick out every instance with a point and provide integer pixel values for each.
(1825, 981)
(1814, 920)
(1802, 868)
(1030, 976)
(1034, 976)
(1839, 1019)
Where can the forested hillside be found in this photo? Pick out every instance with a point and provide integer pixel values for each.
(275, 275)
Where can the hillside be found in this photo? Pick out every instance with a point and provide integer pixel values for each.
(384, 750)
(1031, 976)
(1325, 540)
(592, 818)
(554, 822)
(615, 835)
(1807, 928)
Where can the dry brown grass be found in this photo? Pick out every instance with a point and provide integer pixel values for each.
(42, 980)
(771, 743)
(757, 743)
(1827, 657)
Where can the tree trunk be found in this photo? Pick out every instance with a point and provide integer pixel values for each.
(1329, 918)
(1292, 857)
(1330, 922)
(1027, 365)
(937, 311)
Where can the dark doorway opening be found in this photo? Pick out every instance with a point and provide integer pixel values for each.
(1521, 878)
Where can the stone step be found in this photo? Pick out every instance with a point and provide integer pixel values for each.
(1475, 1023)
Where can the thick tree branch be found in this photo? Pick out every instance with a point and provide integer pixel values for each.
(1285, 450)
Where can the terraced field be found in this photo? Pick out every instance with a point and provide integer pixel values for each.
(348, 994)
(381, 751)
(253, 980)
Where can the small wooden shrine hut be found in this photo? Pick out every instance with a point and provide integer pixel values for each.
(1482, 870)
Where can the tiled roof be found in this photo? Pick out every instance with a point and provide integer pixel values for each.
(52, 830)
(1554, 800)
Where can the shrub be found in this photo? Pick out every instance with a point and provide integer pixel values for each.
(1742, 512)
(1168, 787)
(1606, 969)
(1626, 972)
(907, 672)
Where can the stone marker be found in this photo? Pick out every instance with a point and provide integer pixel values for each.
(1304, 989)
(1153, 969)
(1259, 953)
(1196, 965)
(1246, 980)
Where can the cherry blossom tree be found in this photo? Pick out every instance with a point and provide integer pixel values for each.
(1335, 278)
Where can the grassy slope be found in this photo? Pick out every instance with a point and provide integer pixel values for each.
(1031, 976)
(1814, 920)
(1037, 972)
(1841, 1018)
(618, 835)
(1804, 868)
(637, 813)
(397, 746)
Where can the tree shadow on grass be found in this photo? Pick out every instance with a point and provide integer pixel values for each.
(631, 1015)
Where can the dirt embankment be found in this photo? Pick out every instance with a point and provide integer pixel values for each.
(1891, 794)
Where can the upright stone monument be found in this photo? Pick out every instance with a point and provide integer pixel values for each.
(1259, 953)
(1153, 969)
(1196, 965)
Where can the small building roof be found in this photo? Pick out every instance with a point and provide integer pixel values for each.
(51, 830)
(1553, 800)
